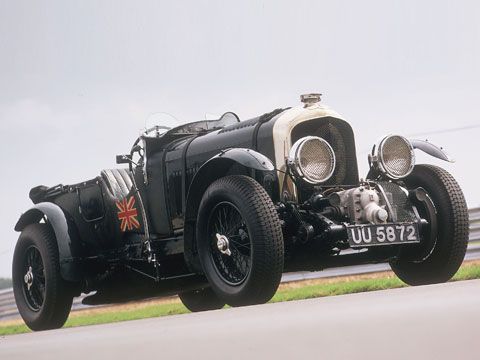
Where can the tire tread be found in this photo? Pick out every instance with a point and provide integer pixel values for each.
(452, 214)
(264, 221)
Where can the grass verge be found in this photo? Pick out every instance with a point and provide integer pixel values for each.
(287, 292)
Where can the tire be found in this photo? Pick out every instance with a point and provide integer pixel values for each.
(450, 243)
(201, 300)
(47, 302)
(252, 272)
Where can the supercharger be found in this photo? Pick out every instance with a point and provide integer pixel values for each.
(361, 204)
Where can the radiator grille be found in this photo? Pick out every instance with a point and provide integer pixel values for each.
(401, 205)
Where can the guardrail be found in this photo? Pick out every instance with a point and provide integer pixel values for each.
(8, 309)
(474, 215)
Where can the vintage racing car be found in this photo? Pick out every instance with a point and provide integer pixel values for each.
(217, 210)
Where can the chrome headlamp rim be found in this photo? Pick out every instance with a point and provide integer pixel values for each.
(294, 164)
(381, 163)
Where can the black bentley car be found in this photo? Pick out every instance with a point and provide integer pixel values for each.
(215, 211)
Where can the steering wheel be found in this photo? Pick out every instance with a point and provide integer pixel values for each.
(137, 148)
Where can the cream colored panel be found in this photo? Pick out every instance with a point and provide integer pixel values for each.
(283, 128)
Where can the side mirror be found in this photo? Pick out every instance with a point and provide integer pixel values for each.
(124, 159)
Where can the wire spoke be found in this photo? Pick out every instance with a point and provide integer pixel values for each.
(34, 289)
(233, 266)
(236, 243)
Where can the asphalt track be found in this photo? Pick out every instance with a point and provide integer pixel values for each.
(8, 308)
(428, 322)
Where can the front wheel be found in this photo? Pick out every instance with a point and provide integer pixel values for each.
(43, 298)
(240, 241)
(446, 239)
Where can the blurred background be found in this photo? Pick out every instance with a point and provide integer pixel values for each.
(79, 79)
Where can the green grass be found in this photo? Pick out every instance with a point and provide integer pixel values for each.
(287, 293)
(466, 272)
(80, 319)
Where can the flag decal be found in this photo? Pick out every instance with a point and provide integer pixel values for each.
(127, 214)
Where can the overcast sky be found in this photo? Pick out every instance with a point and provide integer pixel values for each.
(79, 78)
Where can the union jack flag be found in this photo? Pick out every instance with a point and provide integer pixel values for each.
(127, 214)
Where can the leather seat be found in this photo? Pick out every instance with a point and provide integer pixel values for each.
(118, 182)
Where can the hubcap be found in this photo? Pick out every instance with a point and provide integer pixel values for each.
(28, 278)
(223, 244)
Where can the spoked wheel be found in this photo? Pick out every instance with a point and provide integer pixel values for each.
(444, 243)
(231, 248)
(34, 279)
(201, 300)
(240, 241)
(43, 298)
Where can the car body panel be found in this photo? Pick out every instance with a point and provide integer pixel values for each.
(67, 237)
(143, 220)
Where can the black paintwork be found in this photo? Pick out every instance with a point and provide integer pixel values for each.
(65, 232)
(171, 177)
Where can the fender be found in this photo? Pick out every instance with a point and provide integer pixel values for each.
(246, 157)
(431, 149)
(216, 167)
(64, 232)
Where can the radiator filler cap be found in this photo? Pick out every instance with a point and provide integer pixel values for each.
(310, 99)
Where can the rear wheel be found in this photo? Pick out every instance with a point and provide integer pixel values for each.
(43, 298)
(240, 241)
(201, 300)
(444, 245)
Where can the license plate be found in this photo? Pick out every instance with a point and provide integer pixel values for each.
(376, 235)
